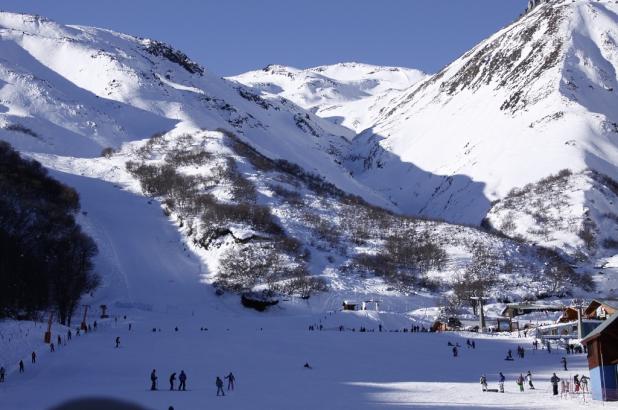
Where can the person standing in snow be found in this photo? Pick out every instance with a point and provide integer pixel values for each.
(483, 382)
(183, 381)
(455, 351)
(21, 366)
(548, 346)
(501, 380)
(33, 357)
(69, 335)
(520, 382)
(529, 380)
(172, 380)
(117, 342)
(230, 381)
(2, 371)
(59, 341)
(554, 383)
(219, 384)
(564, 363)
(51, 347)
(153, 380)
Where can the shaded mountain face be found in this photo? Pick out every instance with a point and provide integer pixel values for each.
(349, 94)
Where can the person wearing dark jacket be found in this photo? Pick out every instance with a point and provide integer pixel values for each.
(230, 381)
(117, 342)
(219, 384)
(172, 380)
(2, 374)
(564, 363)
(21, 366)
(554, 383)
(501, 380)
(153, 380)
(33, 357)
(183, 381)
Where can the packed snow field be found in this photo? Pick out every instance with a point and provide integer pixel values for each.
(267, 353)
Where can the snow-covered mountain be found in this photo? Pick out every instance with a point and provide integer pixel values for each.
(75, 90)
(272, 171)
(350, 94)
(539, 96)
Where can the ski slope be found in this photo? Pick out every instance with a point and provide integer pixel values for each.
(350, 370)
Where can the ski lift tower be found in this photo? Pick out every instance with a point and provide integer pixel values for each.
(579, 304)
(482, 325)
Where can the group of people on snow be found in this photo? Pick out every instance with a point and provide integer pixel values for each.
(182, 379)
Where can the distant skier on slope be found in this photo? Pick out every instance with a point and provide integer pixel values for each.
(2, 371)
(230, 381)
(33, 357)
(219, 384)
(520, 382)
(564, 363)
(501, 380)
(172, 380)
(21, 366)
(153, 380)
(483, 382)
(529, 380)
(554, 383)
(117, 342)
(183, 381)
(455, 351)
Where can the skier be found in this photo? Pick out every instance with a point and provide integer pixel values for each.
(33, 357)
(183, 381)
(554, 383)
(473, 344)
(501, 380)
(564, 363)
(172, 380)
(509, 355)
(59, 341)
(51, 347)
(2, 374)
(95, 325)
(153, 380)
(548, 347)
(529, 380)
(483, 382)
(219, 384)
(69, 335)
(21, 366)
(520, 382)
(129, 327)
(584, 383)
(230, 381)
(117, 342)
(576, 383)
(455, 351)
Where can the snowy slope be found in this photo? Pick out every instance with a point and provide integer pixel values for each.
(537, 97)
(350, 94)
(60, 83)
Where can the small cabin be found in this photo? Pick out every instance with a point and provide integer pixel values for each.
(602, 346)
(349, 305)
(518, 309)
(569, 315)
(601, 309)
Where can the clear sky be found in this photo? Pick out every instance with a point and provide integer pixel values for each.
(233, 36)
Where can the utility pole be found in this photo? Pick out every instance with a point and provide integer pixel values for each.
(482, 325)
(579, 303)
(47, 338)
(84, 326)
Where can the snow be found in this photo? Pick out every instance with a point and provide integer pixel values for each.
(350, 370)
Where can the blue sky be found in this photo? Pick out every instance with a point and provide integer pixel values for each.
(234, 36)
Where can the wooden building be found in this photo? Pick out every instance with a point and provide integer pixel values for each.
(517, 309)
(600, 309)
(602, 346)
